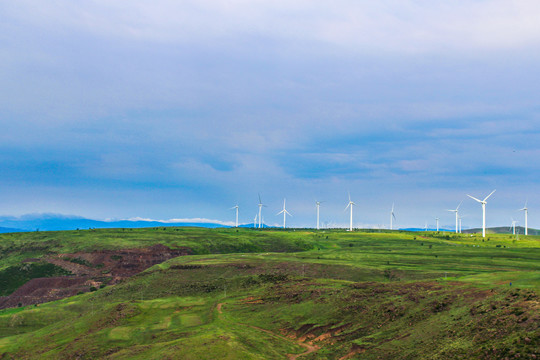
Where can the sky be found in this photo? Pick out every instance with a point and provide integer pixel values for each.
(183, 109)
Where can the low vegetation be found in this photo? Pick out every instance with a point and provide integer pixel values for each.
(248, 294)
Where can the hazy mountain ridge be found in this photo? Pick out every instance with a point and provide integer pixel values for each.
(54, 222)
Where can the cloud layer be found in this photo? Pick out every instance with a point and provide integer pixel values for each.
(182, 109)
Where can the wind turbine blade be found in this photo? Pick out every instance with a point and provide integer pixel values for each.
(459, 205)
(392, 208)
(472, 197)
(281, 212)
(260, 201)
(346, 207)
(394, 216)
(348, 193)
(489, 195)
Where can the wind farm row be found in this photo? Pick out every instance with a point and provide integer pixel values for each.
(258, 220)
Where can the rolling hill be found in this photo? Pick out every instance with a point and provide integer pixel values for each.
(195, 293)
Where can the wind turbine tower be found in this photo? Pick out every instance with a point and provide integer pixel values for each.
(236, 207)
(457, 216)
(318, 203)
(260, 211)
(392, 217)
(255, 221)
(483, 202)
(526, 213)
(514, 227)
(285, 213)
(350, 205)
(437, 219)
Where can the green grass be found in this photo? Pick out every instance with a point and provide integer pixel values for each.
(13, 277)
(363, 294)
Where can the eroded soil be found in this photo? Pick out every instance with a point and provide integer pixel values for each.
(89, 272)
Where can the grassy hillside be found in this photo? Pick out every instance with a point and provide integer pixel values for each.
(289, 294)
(16, 247)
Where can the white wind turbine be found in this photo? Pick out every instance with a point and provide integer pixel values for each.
(260, 210)
(285, 213)
(392, 217)
(514, 226)
(437, 219)
(350, 204)
(457, 215)
(318, 203)
(236, 207)
(255, 221)
(526, 213)
(483, 202)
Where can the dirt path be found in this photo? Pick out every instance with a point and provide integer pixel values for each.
(309, 348)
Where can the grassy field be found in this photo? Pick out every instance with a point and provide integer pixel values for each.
(275, 294)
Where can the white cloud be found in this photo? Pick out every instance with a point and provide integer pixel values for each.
(186, 220)
(396, 25)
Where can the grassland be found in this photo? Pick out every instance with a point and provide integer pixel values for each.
(247, 294)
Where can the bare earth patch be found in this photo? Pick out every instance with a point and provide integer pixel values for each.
(90, 271)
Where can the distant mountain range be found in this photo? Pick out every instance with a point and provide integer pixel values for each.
(54, 222)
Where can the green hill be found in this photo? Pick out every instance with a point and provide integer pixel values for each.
(503, 230)
(276, 294)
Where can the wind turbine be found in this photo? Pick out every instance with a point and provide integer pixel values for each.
(526, 213)
(318, 203)
(392, 216)
(260, 210)
(255, 221)
(437, 219)
(284, 212)
(483, 202)
(350, 204)
(236, 207)
(514, 226)
(457, 215)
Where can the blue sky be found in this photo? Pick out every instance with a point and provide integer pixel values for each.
(181, 109)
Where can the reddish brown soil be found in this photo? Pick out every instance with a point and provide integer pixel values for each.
(41, 290)
(99, 267)
(122, 263)
(354, 350)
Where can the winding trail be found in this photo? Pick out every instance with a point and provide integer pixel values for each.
(309, 348)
